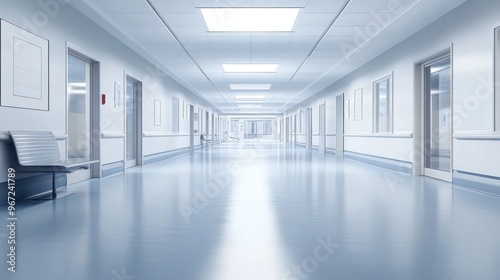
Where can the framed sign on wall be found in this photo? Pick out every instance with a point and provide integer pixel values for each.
(358, 104)
(24, 68)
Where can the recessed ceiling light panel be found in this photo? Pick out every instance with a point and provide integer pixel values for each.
(250, 86)
(250, 19)
(250, 68)
(249, 96)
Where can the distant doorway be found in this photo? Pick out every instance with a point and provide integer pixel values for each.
(340, 126)
(133, 141)
(322, 128)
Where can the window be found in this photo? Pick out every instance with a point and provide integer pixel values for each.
(268, 128)
(234, 126)
(195, 120)
(497, 79)
(200, 120)
(382, 96)
(175, 115)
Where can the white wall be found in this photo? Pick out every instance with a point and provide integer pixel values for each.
(469, 28)
(62, 25)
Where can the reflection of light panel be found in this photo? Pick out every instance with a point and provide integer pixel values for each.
(250, 86)
(77, 88)
(250, 19)
(250, 68)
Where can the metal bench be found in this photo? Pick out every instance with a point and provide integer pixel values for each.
(38, 152)
(205, 140)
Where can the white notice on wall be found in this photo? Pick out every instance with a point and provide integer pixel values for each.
(27, 69)
(24, 69)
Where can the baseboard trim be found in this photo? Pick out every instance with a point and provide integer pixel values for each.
(395, 165)
(110, 169)
(477, 182)
(150, 159)
(331, 152)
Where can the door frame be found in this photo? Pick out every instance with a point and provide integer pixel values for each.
(322, 128)
(295, 129)
(191, 128)
(287, 129)
(339, 151)
(95, 170)
(309, 128)
(213, 128)
(138, 118)
(207, 124)
(419, 120)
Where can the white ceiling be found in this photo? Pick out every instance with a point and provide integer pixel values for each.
(320, 51)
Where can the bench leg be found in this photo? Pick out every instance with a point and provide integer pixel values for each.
(54, 189)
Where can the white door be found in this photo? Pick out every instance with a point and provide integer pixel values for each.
(132, 122)
(287, 130)
(340, 126)
(192, 126)
(309, 128)
(322, 128)
(295, 129)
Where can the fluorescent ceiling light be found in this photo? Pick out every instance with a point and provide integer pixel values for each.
(249, 96)
(250, 68)
(250, 19)
(250, 110)
(249, 106)
(250, 86)
(249, 101)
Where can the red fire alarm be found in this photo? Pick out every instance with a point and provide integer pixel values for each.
(103, 99)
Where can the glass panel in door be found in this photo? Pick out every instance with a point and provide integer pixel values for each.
(437, 115)
(78, 109)
(131, 126)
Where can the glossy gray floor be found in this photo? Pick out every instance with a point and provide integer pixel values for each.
(259, 211)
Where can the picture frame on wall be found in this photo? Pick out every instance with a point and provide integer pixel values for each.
(157, 112)
(347, 109)
(184, 110)
(117, 95)
(358, 104)
(24, 68)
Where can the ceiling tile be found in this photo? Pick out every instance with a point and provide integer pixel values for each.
(136, 19)
(137, 31)
(189, 31)
(173, 6)
(136, 6)
(182, 19)
(324, 6)
(363, 19)
(308, 31)
(316, 19)
(155, 40)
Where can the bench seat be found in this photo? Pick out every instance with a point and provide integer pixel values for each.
(38, 151)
